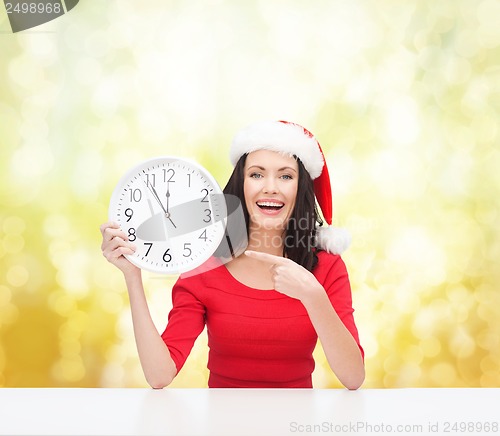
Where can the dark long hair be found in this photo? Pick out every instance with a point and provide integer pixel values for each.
(300, 233)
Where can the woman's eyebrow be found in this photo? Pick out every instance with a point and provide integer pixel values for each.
(257, 166)
(287, 169)
(280, 169)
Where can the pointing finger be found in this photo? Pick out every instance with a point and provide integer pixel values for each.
(266, 257)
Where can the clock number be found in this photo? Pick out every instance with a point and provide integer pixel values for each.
(150, 245)
(205, 198)
(172, 174)
(129, 213)
(186, 248)
(209, 216)
(189, 180)
(153, 178)
(167, 257)
(131, 234)
(135, 194)
(203, 235)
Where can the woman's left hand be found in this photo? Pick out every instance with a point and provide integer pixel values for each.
(289, 277)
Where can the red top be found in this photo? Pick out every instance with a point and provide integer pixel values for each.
(257, 338)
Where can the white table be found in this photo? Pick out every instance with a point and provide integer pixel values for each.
(57, 411)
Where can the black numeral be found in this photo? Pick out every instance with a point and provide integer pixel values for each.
(208, 217)
(203, 235)
(150, 245)
(131, 234)
(167, 257)
(129, 213)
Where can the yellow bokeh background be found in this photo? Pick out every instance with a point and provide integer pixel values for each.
(403, 96)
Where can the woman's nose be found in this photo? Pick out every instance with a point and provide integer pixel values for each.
(270, 186)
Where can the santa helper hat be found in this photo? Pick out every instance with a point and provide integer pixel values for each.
(292, 139)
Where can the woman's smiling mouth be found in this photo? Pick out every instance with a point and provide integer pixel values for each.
(270, 207)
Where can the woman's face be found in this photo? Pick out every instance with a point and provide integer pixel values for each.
(270, 188)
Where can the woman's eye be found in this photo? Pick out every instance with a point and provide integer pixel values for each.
(256, 175)
(287, 177)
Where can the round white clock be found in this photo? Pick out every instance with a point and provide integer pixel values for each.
(173, 210)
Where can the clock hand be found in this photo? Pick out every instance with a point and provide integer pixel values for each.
(167, 213)
(172, 222)
(168, 197)
(168, 194)
(155, 195)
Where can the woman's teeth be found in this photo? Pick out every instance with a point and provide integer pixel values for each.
(269, 205)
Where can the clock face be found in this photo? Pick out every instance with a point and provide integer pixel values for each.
(173, 210)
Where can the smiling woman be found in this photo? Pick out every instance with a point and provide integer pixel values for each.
(264, 310)
(270, 189)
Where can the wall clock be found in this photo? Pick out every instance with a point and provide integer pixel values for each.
(173, 210)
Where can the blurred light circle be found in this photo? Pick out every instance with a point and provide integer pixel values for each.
(17, 275)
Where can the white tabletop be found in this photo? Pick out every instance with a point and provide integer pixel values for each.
(234, 412)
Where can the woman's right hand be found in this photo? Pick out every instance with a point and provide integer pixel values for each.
(156, 361)
(114, 245)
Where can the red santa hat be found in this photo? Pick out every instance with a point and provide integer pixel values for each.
(292, 139)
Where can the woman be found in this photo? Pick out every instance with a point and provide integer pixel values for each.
(264, 310)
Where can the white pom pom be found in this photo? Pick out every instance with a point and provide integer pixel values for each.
(333, 239)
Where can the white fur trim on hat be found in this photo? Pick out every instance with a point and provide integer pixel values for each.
(333, 239)
(285, 138)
